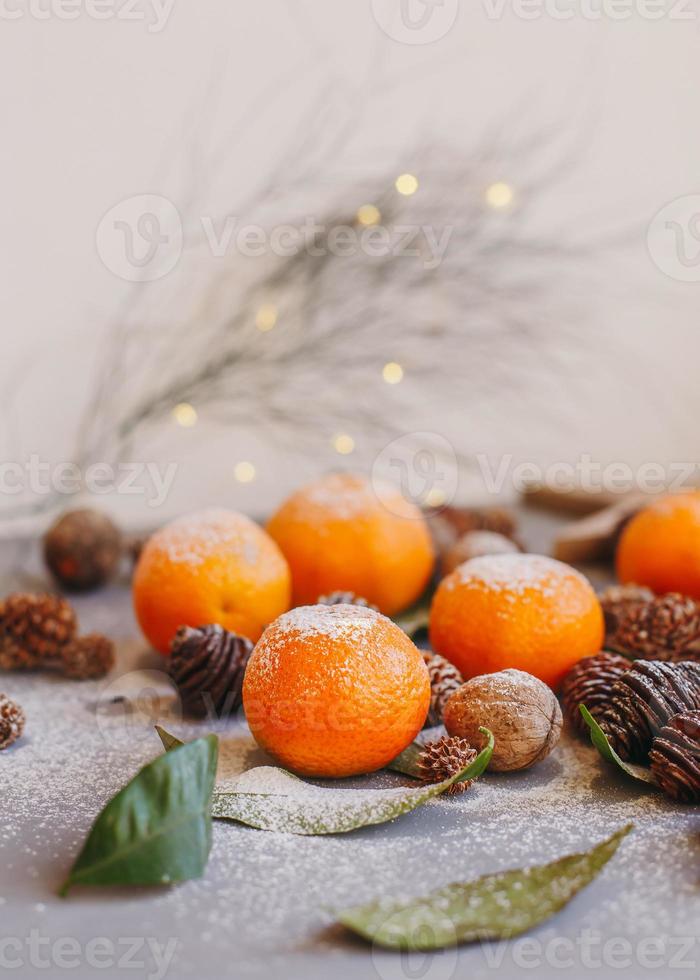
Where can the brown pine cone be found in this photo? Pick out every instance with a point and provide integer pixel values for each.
(34, 629)
(11, 721)
(590, 682)
(207, 665)
(444, 681)
(348, 598)
(83, 549)
(617, 600)
(643, 700)
(664, 628)
(443, 758)
(675, 757)
(87, 657)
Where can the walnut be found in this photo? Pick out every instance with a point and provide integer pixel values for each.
(474, 544)
(520, 710)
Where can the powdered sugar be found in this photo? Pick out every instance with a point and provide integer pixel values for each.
(515, 574)
(195, 537)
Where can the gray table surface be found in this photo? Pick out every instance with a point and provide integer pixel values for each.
(266, 901)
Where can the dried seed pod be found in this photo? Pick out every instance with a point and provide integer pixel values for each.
(11, 722)
(83, 549)
(34, 629)
(675, 757)
(444, 681)
(521, 711)
(666, 627)
(590, 682)
(345, 598)
(207, 665)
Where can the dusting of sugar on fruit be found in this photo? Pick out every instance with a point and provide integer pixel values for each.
(193, 538)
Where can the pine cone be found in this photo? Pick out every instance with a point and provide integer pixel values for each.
(444, 681)
(590, 682)
(663, 628)
(208, 665)
(34, 629)
(349, 598)
(11, 721)
(675, 757)
(643, 700)
(616, 600)
(441, 759)
(87, 657)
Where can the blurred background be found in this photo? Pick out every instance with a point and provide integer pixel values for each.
(246, 244)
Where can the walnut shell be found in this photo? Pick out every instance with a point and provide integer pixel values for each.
(474, 544)
(521, 711)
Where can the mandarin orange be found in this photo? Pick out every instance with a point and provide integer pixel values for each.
(660, 547)
(335, 690)
(215, 566)
(344, 533)
(523, 611)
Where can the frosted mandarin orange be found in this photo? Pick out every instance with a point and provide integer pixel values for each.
(215, 566)
(660, 547)
(335, 690)
(523, 611)
(344, 533)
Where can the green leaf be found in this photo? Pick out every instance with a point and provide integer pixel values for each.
(156, 830)
(273, 799)
(600, 740)
(496, 906)
(169, 741)
(407, 761)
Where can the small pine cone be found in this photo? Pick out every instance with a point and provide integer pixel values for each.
(444, 681)
(590, 682)
(11, 722)
(207, 665)
(675, 757)
(643, 700)
(34, 629)
(616, 600)
(443, 758)
(88, 657)
(348, 598)
(664, 628)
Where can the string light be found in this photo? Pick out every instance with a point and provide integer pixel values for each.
(244, 471)
(499, 195)
(368, 215)
(266, 317)
(343, 443)
(185, 415)
(406, 184)
(392, 373)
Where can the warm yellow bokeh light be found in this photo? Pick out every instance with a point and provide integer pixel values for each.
(368, 215)
(343, 443)
(406, 184)
(392, 373)
(185, 415)
(435, 497)
(499, 195)
(266, 317)
(244, 471)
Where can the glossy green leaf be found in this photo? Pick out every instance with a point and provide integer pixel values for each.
(157, 830)
(496, 906)
(600, 740)
(273, 799)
